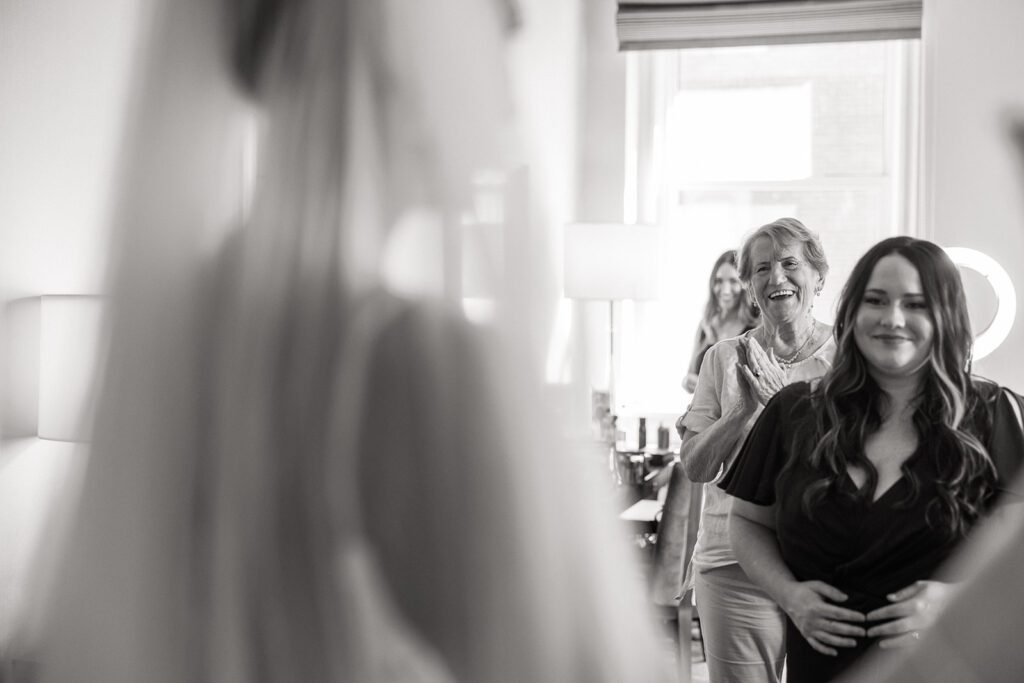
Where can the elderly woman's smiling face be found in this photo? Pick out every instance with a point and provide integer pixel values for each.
(782, 280)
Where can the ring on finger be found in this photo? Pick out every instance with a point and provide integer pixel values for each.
(915, 635)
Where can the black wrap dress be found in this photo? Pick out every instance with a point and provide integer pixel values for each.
(865, 549)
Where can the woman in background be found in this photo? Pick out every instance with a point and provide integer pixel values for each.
(783, 266)
(294, 476)
(728, 313)
(850, 493)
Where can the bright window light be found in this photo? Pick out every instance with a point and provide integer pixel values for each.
(717, 139)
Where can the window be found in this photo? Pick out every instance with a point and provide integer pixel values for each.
(723, 140)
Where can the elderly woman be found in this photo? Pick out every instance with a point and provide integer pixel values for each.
(728, 313)
(851, 492)
(782, 265)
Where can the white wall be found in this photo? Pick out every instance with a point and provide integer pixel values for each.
(64, 69)
(974, 179)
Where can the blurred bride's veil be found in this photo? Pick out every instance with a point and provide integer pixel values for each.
(295, 476)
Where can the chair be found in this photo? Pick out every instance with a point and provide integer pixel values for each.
(676, 536)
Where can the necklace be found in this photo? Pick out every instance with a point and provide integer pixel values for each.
(792, 359)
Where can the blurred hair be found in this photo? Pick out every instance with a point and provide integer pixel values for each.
(286, 480)
(251, 27)
(784, 231)
(851, 404)
(748, 312)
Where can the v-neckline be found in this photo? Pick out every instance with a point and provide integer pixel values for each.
(880, 496)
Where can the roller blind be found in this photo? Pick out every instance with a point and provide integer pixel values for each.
(659, 24)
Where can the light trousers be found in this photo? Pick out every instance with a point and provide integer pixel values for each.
(744, 630)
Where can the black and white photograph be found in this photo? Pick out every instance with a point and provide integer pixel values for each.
(512, 341)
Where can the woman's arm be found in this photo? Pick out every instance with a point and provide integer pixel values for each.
(703, 453)
(824, 625)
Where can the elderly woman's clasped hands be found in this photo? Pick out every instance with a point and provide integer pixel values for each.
(764, 373)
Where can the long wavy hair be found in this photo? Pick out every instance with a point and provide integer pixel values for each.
(748, 312)
(848, 404)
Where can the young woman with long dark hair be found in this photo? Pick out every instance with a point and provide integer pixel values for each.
(729, 312)
(852, 492)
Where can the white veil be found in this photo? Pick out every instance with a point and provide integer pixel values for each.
(294, 476)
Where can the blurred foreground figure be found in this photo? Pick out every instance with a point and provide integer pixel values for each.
(294, 476)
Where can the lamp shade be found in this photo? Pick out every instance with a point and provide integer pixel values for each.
(611, 261)
(69, 331)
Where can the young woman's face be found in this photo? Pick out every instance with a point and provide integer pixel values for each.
(893, 328)
(726, 287)
(782, 280)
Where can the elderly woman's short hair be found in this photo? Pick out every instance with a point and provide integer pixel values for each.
(785, 231)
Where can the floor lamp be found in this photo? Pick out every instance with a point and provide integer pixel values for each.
(611, 262)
